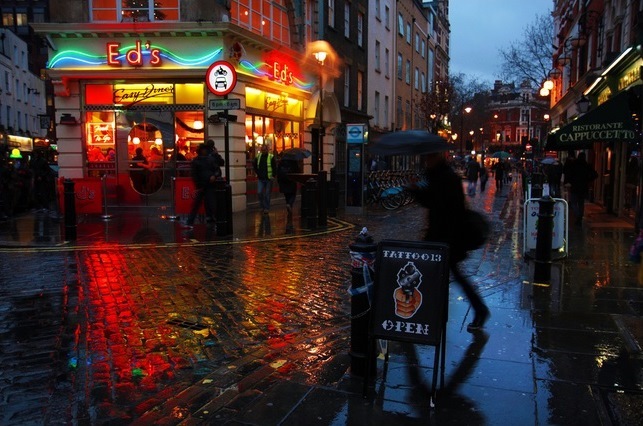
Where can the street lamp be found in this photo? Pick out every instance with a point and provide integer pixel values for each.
(318, 160)
(467, 110)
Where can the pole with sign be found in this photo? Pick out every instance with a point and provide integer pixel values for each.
(355, 139)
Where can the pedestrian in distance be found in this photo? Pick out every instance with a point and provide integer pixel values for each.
(484, 177)
(204, 175)
(472, 171)
(287, 186)
(578, 177)
(265, 167)
(499, 174)
(444, 197)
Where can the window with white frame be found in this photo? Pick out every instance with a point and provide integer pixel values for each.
(416, 79)
(331, 13)
(400, 64)
(408, 33)
(347, 19)
(347, 86)
(400, 25)
(377, 9)
(134, 10)
(408, 72)
(377, 55)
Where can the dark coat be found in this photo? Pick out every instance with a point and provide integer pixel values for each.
(580, 176)
(202, 170)
(444, 198)
(286, 184)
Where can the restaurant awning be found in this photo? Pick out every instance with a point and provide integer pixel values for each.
(610, 121)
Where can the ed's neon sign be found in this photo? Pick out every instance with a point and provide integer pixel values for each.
(281, 73)
(133, 57)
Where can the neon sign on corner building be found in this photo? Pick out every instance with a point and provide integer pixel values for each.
(133, 57)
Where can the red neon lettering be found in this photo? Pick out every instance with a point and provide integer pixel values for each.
(155, 57)
(134, 56)
(112, 54)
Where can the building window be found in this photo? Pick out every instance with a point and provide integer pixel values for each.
(407, 115)
(408, 72)
(423, 50)
(417, 42)
(377, 55)
(387, 14)
(408, 33)
(423, 82)
(376, 109)
(7, 20)
(21, 19)
(400, 25)
(360, 91)
(347, 86)
(398, 112)
(331, 13)
(360, 29)
(416, 79)
(399, 66)
(347, 20)
(386, 111)
(267, 19)
(387, 58)
(377, 9)
(134, 10)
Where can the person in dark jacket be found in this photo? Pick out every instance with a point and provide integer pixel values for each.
(287, 186)
(444, 198)
(578, 176)
(204, 175)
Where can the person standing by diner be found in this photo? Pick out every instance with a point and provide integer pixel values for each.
(287, 186)
(204, 177)
(265, 167)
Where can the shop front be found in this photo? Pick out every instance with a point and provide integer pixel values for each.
(131, 110)
(612, 134)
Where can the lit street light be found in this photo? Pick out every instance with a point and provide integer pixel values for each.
(467, 110)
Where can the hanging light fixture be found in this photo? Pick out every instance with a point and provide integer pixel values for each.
(136, 140)
(158, 141)
(198, 124)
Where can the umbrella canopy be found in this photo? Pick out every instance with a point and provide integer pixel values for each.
(409, 142)
(295, 153)
(549, 160)
(500, 154)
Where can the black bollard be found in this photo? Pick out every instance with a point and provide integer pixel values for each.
(544, 236)
(309, 204)
(70, 210)
(362, 255)
(322, 199)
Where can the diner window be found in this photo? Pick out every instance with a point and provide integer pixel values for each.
(278, 133)
(134, 11)
(100, 141)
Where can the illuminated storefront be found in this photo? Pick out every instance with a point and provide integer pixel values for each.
(131, 109)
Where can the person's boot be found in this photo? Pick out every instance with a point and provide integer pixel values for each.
(479, 320)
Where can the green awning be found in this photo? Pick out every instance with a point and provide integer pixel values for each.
(610, 121)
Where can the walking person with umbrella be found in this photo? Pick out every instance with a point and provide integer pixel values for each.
(289, 163)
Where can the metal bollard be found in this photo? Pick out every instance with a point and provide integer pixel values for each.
(223, 205)
(544, 236)
(309, 204)
(322, 197)
(362, 253)
(70, 210)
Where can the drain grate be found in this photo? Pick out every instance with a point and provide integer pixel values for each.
(192, 325)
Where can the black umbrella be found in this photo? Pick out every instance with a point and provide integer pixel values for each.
(409, 142)
(295, 153)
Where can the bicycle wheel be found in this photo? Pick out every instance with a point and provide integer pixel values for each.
(392, 201)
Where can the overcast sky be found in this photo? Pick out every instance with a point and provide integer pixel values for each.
(480, 28)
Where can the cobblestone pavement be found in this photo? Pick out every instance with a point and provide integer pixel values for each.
(258, 332)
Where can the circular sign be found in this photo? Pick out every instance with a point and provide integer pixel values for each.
(221, 78)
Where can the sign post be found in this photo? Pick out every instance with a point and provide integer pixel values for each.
(411, 296)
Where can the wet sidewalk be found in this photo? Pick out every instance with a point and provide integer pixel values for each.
(265, 325)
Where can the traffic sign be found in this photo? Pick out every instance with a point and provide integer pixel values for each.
(221, 78)
(224, 104)
(355, 133)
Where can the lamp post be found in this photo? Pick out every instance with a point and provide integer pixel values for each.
(318, 160)
(467, 110)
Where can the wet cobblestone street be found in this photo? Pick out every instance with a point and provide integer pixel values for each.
(258, 332)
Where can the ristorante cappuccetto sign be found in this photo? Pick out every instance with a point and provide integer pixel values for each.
(611, 121)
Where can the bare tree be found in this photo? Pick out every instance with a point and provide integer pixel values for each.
(435, 105)
(530, 58)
